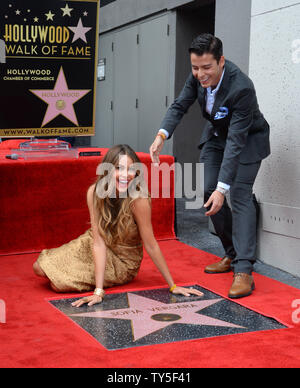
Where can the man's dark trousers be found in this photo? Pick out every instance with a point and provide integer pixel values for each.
(236, 228)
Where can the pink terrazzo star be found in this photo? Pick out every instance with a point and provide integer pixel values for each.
(80, 31)
(60, 100)
(143, 313)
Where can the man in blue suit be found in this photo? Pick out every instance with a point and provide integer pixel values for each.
(233, 144)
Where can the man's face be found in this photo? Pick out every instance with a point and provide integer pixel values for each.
(207, 70)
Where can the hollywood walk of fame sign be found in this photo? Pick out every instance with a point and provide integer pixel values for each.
(155, 316)
(48, 78)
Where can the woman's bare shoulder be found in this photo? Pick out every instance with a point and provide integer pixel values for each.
(140, 205)
(90, 193)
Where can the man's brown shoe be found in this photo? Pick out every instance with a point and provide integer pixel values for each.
(222, 266)
(243, 285)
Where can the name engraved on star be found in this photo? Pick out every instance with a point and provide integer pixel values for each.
(170, 307)
(153, 309)
(119, 313)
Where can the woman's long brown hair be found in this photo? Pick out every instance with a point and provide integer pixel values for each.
(114, 217)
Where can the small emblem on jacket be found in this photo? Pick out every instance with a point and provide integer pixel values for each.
(223, 112)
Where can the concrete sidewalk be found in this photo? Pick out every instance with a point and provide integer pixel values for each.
(193, 229)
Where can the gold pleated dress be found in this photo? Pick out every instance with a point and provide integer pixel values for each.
(70, 267)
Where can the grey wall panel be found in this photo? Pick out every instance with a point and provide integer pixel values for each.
(104, 114)
(153, 79)
(122, 12)
(236, 38)
(126, 87)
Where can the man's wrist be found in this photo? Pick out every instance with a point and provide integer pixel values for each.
(164, 132)
(222, 190)
(223, 187)
(163, 136)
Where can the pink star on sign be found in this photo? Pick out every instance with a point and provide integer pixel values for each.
(60, 100)
(143, 313)
(80, 31)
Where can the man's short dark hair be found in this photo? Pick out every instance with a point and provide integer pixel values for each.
(207, 44)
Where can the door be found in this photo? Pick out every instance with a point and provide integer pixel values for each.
(153, 79)
(126, 87)
(104, 99)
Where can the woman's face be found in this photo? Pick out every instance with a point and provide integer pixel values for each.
(124, 173)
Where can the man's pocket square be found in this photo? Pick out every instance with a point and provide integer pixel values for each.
(223, 112)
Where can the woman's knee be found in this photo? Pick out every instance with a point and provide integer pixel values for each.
(54, 288)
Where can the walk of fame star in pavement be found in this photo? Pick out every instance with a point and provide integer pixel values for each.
(148, 317)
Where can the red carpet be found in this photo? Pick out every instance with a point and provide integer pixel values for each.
(37, 335)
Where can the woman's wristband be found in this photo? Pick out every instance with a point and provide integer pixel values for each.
(99, 292)
(173, 288)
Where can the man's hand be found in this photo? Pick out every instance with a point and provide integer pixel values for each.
(156, 148)
(216, 201)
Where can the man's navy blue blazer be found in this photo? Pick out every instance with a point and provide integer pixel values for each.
(235, 117)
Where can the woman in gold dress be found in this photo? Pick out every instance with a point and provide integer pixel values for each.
(110, 253)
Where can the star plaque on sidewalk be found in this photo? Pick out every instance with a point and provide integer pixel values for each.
(150, 317)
